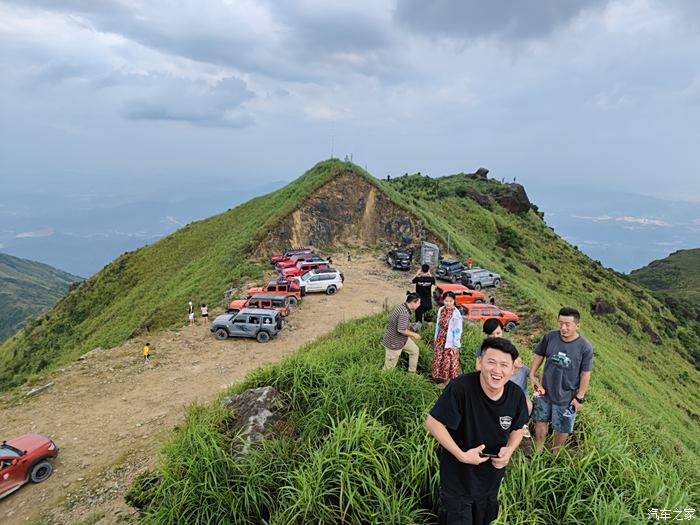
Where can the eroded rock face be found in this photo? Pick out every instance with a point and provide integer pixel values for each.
(348, 211)
(255, 413)
(515, 200)
(602, 307)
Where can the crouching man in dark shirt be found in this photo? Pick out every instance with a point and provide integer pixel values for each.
(478, 421)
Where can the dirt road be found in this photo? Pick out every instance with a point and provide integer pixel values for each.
(111, 412)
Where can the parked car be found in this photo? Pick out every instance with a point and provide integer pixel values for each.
(279, 302)
(399, 260)
(288, 262)
(285, 287)
(23, 459)
(249, 322)
(289, 252)
(478, 278)
(326, 280)
(481, 312)
(449, 270)
(302, 267)
(463, 295)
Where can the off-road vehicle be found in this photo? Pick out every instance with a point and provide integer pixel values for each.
(463, 295)
(478, 278)
(289, 252)
(249, 322)
(481, 312)
(325, 280)
(281, 286)
(23, 459)
(399, 260)
(449, 270)
(279, 302)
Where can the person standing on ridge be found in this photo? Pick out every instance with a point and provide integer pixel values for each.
(397, 336)
(424, 282)
(565, 380)
(448, 340)
(470, 262)
(205, 314)
(147, 352)
(478, 422)
(190, 313)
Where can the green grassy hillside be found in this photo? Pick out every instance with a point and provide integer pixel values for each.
(28, 288)
(677, 275)
(148, 289)
(351, 438)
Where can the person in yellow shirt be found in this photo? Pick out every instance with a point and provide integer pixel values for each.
(147, 352)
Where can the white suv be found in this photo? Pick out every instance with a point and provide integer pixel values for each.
(321, 280)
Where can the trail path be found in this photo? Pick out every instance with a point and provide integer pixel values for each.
(110, 413)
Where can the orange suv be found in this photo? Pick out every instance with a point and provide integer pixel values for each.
(290, 288)
(463, 295)
(481, 312)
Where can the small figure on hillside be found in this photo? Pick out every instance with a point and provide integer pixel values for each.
(147, 352)
(565, 380)
(388, 177)
(205, 313)
(397, 335)
(424, 282)
(470, 262)
(448, 341)
(349, 258)
(190, 313)
(478, 422)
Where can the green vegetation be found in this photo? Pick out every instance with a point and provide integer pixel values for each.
(148, 289)
(28, 288)
(351, 448)
(676, 281)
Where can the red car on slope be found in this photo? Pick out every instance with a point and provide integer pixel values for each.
(294, 259)
(289, 252)
(302, 267)
(290, 288)
(23, 459)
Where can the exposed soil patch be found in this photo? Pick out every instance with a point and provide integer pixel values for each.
(111, 412)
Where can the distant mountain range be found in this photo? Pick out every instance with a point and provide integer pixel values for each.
(28, 288)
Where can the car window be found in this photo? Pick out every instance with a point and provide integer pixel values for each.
(253, 319)
(497, 313)
(8, 451)
(254, 302)
(267, 320)
(241, 319)
(486, 312)
(283, 288)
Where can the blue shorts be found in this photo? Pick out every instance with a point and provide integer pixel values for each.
(544, 412)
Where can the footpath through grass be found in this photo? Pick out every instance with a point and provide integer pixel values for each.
(352, 449)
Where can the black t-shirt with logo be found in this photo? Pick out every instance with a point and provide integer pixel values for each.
(473, 419)
(423, 287)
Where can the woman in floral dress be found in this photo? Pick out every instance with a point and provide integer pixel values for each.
(448, 339)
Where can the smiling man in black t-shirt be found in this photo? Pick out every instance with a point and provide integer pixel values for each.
(478, 421)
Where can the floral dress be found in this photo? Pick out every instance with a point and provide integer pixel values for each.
(445, 360)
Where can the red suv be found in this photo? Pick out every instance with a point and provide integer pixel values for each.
(24, 459)
(290, 288)
(481, 312)
(302, 267)
(289, 252)
(463, 295)
(288, 262)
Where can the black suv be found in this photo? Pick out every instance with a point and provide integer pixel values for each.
(399, 260)
(449, 270)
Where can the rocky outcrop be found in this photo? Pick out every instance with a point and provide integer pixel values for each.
(602, 307)
(347, 211)
(653, 336)
(514, 199)
(255, 412)
(481, 173)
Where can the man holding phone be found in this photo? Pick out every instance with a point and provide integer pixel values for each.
(478, 422)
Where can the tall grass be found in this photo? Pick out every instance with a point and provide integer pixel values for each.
(352, 449)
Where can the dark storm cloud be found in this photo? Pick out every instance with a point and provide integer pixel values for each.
(194, 102)
(471, 19)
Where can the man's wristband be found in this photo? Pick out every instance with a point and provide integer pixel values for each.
(580, 400)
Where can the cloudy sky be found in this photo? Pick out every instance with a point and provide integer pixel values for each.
(599, 93)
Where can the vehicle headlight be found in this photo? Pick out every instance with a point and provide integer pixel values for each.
(52, 446)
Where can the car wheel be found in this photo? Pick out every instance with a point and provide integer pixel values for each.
(510, 325)
(477, 286)
(262, 337)
(293, 301)
(41, 472)
(221, 334)
(496, 283)
(331, 290)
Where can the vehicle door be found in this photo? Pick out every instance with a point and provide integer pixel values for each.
(314, 284)
(252, 325)
(11, 475)
(238, 325)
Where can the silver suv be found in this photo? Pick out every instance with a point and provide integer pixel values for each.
(259, 323)
(478, 278)
(328, 280)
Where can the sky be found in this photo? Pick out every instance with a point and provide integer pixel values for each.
(130, 94)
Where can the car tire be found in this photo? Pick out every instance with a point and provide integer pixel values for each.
(293, 301)
(221, 334)
(477, 286)
(510, 325)
(41, 472)
(262, 337)
(331, 289)
(496, 283)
